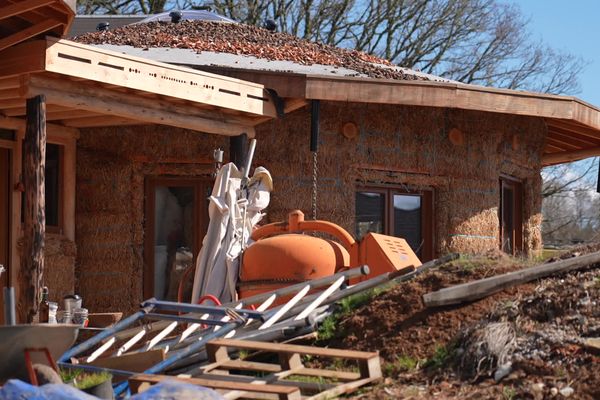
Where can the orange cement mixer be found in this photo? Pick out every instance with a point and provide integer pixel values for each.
(282, 255)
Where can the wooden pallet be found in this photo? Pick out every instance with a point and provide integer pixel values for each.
(287, 378)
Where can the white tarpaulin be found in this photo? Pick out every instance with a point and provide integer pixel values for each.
(234, 211)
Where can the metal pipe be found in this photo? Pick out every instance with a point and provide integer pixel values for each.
(9, 306)
(198, 308)
(249, 157)
(315, 111)
(184, 318)
(88, 344)
(316, 283)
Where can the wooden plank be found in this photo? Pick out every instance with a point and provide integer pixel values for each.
(100, 120)
(292, 349)
(53, 129)
(9, 94)
(569, 156)
(284, 392)
(10, 83)
(24, 58)
(34, 226)
(475, 290)
(573, 127)
(70, 113)
(91, 63)
(28, 33)
(105, 101)
(579, 140)
(22, 6)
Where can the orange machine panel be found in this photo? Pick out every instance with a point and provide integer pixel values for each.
(386, 254)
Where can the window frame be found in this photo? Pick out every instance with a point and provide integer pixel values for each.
(516, 185)
(201, 220)
(427, 212)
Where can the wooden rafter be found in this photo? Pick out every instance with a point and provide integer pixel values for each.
(28, 33)
(569, 156)
(22, 7)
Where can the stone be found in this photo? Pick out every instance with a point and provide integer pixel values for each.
(567, 391)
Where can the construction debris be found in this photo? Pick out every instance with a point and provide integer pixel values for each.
(245, 40)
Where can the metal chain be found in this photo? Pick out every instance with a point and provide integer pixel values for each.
(314, 186)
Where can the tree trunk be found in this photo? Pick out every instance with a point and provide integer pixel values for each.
(34, 161)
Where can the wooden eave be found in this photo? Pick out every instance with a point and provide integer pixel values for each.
(573, 125)
(21, 20)
(89, 87)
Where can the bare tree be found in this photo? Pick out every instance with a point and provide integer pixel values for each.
(484, 42)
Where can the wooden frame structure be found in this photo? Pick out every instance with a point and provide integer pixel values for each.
(77, 86)
(573, 125)
(87, 87)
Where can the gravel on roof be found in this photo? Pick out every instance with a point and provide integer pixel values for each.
(244, 39)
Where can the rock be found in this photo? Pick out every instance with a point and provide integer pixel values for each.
(567, 391)
(553, 392)
(537, 387)
(502, 371)
(592, 343)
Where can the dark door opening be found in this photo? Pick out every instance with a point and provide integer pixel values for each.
(176, 216)
(5, 193)
(511, 216)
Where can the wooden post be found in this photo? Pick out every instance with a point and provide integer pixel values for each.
(34, 161)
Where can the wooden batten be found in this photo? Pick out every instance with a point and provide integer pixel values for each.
(28, 33)
(34, 225)
(569, 156)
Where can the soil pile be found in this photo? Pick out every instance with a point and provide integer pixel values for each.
(243, 40)
(543, 336)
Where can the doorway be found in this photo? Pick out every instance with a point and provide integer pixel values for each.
(5, 194)
(511, 216)
(176, 215)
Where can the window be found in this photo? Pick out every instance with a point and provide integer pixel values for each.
(53, 188)
(399, 213)
(176, 219)
(511, 216)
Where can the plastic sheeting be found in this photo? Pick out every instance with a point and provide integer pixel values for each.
(167, 390)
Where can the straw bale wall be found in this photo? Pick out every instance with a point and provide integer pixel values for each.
(111, 167)
(410, 147)
(396, 145)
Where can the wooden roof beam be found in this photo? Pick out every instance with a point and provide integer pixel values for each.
(28, 33)
(54, 129)
(569, 156)
(99, 121)
(22, 7)
(104, 101)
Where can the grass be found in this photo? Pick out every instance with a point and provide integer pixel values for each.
(508, 393)
(84, 380)
(329, 327)
(442, 357)
(402, 364)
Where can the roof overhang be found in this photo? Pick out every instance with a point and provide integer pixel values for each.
(573, 125)
(88, 87)
(21, 20)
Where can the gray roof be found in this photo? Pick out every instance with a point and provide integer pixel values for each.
(192, 58)
(88, 23)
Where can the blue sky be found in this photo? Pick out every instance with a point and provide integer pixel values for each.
(571, 26)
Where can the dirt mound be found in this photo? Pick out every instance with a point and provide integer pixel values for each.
(398, 325)
(244, 40)
(543, 350)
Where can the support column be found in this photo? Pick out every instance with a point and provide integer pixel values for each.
(238, 147)
(34, 228)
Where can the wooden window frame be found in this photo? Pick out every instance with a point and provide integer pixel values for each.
(427, 212)
(200, 224)
(517, 234)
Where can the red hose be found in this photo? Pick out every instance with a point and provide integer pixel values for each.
(209, 297)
